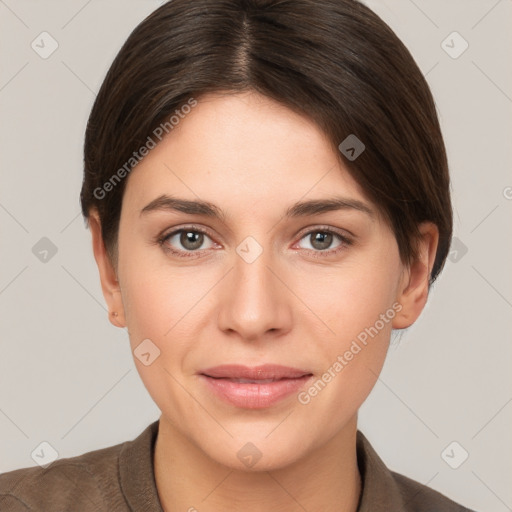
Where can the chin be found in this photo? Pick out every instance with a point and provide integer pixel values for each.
(250, 458)
(254, 451)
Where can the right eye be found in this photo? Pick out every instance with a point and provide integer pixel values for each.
(186, 240)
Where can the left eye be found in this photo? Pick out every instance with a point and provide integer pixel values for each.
(190, 240)
(321, 240)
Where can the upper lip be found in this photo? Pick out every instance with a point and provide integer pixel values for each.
(262, 372)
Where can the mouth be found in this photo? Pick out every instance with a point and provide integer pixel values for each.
(256, 387)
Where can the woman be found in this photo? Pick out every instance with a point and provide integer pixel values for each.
(267, 189)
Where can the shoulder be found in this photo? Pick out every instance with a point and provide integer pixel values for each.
(84, 482)
(420, 498)
(385, 490)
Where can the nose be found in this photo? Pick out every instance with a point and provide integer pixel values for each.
(254, 302)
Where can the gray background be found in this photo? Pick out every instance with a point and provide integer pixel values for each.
(67, 376)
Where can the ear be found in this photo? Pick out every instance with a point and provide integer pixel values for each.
(413, 290)
(108, 276)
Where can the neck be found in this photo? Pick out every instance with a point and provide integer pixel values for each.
(187, 479)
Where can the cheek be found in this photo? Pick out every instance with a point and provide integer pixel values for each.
(158, 304)
(165, 304)
(161, 305)
(357, 304)
(352, 299)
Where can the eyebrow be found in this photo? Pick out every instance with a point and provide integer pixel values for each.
(318, 206)
(168, 203)
(300, 209)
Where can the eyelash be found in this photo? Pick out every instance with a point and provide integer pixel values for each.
(345, 242)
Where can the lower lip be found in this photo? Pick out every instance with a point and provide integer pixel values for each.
(254, 396)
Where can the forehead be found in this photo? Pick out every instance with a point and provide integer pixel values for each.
(242, 150)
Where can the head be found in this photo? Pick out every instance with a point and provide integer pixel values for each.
(296, 146)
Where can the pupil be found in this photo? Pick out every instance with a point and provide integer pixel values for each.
(321, 240)
(191, 240)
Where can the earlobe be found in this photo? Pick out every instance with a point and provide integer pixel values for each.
(414, 285)
(108, 277)
(116, 319)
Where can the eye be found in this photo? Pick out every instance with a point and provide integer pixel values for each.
(186, 240)
(321, 240)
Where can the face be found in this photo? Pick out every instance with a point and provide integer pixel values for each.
(261, 282)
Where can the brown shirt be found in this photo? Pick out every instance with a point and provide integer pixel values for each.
(120, 478)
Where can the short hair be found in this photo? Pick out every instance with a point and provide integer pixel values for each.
(334, 61)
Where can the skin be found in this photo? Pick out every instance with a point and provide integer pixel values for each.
(253, 158)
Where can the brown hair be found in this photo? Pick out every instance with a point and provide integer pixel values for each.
(334, 61)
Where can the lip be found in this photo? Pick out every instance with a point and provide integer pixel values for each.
(254, 387)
